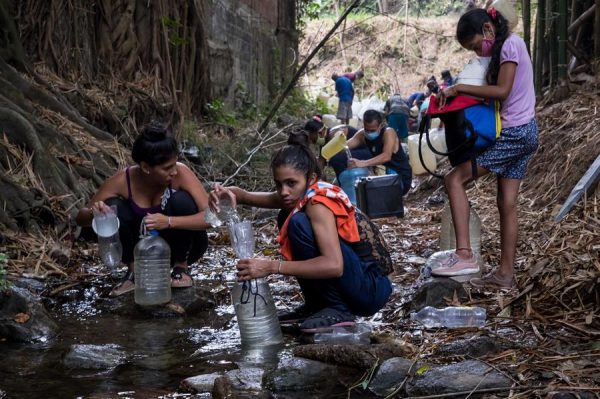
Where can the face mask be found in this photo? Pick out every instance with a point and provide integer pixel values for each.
(372, 135)
(320, 142)
(486, 47)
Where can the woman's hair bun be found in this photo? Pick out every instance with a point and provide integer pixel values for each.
(299, 138)
(155, 131)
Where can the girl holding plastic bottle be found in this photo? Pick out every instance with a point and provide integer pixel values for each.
(340, 271)
(510, 80)
(160, 192)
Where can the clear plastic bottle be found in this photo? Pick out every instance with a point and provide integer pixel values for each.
(448, 236)
(110, 250)
(227, 214)
(152, 265)
(359, 334)
(256, 313)
(451, 317)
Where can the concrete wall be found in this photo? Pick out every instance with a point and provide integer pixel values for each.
(252, 48)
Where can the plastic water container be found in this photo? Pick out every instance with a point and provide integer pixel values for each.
(448, 237)
(451, 317)
(227, 214)
(435, 123)
(335, 145)
(413, 155)
(110, 250)
(330, 120)
(256, 313)
(152, 261)
(355, 123)
(359, 334)
(106, 226)
(323, 97)
(437, 138)
(348, 180)
(474, 72)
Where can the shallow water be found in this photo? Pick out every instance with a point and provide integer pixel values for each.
(157, 352)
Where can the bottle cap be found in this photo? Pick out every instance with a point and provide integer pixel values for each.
(153, 233)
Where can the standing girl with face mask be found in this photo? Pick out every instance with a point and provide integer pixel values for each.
(510, 80)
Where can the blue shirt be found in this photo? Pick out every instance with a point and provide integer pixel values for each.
(344, 89)
(415, 99)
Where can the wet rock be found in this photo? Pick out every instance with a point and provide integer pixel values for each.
(23, 318)
(433, 293)
(357, 356)
(222, 388)
(390, 375)
(184, 302)
(200, 383)
(94, 357)
(457, 377)
(302, 375)
(477, 346)
(246, 379)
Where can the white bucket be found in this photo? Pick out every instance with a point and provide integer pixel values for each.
(413, 156)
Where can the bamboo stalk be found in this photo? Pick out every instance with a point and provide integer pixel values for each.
(540, 27)
(562, 39)
(526, 8)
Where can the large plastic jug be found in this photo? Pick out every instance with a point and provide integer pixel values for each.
(330, 120)
(152, 265)
(348, 180)
(256, 313)
(413, 155)
(437, 138)
(448, 237)
(335, 145)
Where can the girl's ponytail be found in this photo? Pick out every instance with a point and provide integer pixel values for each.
(502, 33)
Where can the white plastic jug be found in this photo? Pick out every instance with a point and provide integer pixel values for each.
(437, 138)
(330, 120)
(414, 159)
(474, 72)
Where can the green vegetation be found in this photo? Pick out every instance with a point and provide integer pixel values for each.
(320, 9)
(298, 104)
(217, 112)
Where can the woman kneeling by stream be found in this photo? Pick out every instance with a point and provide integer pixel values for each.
(337, 255)
(162, 193)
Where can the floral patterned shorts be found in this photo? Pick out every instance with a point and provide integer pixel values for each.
(510, 155)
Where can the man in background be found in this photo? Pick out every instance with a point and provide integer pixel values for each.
(344, 87)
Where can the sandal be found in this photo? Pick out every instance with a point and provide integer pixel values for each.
(492, 281)
(125, 286)
(297, 315)
(180, 278)
(325, 319)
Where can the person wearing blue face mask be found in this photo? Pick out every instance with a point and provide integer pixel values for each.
(385, 148)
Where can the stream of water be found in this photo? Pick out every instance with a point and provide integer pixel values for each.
(154, 354)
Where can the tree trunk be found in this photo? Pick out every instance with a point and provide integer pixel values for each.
(540, 28)
(53, 155)
(526, 6)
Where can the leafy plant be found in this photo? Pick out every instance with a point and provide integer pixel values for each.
(216, 110)
(4, 283)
